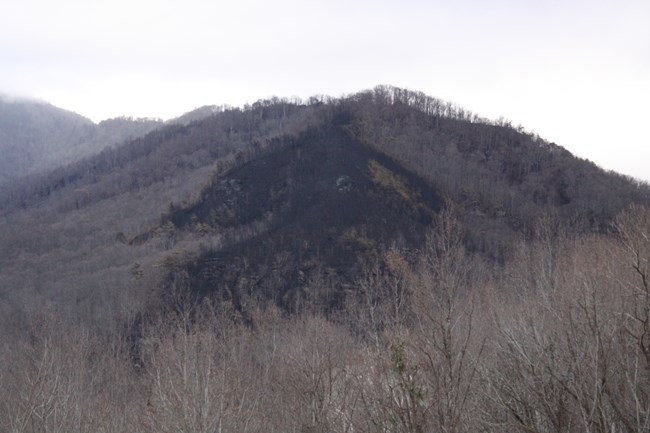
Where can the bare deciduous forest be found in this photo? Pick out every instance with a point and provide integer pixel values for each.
(557, 341)
(195, 279)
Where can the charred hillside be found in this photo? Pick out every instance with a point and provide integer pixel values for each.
(304, 217)
(321, 206)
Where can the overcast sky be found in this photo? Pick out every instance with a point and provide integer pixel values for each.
(576, 72)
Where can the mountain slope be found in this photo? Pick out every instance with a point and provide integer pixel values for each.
(285, 200)
(502, 178)
(321, 207)
(36, 136)
(31, 132)
(303, 254)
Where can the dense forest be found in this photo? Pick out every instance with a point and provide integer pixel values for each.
(381, 262)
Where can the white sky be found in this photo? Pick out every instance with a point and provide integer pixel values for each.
(576, 72)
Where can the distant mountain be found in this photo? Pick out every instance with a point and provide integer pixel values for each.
(285, 200)
(33, 135)
(37, 136)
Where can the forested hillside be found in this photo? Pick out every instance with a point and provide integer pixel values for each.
(380, 262)
(36, 136)
(33, 133)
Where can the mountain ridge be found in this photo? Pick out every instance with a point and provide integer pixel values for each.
(37, 137)
(152, 215)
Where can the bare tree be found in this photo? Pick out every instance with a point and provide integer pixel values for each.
(423, 376)
(630, 393)
(313, 374)
(444, 314)
(196, 380)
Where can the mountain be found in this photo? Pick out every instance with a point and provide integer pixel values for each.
(380, 262)
(36, 136)
(33, 134)
(284, 202)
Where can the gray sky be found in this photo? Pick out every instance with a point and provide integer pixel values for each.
(576, 72)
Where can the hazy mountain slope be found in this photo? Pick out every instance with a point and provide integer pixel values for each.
(32, 134)
(283, 199)
(37, 136)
